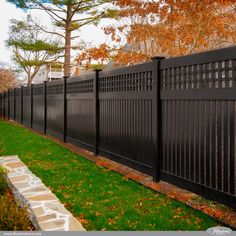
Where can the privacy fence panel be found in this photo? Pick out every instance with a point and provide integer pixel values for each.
(126, 104)
(6, 106)
(26, 115)
(55, 111)
(11, 104)
(18, 105)
(38, 107)
(199, 123)
(1, 105)
(80, 110)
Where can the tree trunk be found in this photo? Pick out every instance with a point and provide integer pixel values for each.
(68, 41)
(29, 80)
(32, 75)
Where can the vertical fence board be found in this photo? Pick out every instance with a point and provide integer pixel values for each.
(38, 107)
(6, 105)
(26, 118)
(55, 116)
(11, 104)
(213, 144)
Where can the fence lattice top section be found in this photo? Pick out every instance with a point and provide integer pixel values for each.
(17, 92)
(53, 89)
(84, 86)
(38, 89)
(11, 92)
(26, 91)
(215, 69)
(132, 78)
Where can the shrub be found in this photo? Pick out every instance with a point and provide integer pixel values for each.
(3, 181)
(11, 216)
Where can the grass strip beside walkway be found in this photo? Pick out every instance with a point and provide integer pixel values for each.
(99, 198)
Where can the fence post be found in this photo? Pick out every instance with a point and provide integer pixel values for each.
(14, 104)
(21, 104)
(157, 118)
(31, 105)
(45, 107)
(64, 109)
(96, 111)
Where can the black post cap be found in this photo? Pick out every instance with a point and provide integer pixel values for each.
(158, 58)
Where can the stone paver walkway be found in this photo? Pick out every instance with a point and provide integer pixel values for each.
(45, 210)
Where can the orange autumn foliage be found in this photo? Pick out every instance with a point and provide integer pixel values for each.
(128, 58)
(100, 55)
(7, 79)
(167, 28)
(172, 28)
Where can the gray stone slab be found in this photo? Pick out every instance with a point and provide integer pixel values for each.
(45, 210)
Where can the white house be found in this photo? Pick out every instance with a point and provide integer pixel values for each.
(49, 72)
(54, 71)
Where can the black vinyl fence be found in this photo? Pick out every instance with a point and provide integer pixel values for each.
(174, 119)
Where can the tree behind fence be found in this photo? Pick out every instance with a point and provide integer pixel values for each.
(173, 119)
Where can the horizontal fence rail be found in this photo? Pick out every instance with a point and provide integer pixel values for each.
(173, 119)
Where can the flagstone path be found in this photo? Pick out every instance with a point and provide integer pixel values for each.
(45, 210)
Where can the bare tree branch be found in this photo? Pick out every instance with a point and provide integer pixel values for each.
(48, 32)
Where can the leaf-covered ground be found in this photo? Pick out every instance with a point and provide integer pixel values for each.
(12, 217)
(99, 198)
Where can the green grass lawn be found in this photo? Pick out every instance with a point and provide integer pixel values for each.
(99, 198)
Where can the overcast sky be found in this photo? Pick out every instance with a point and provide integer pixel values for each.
(8, 11)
